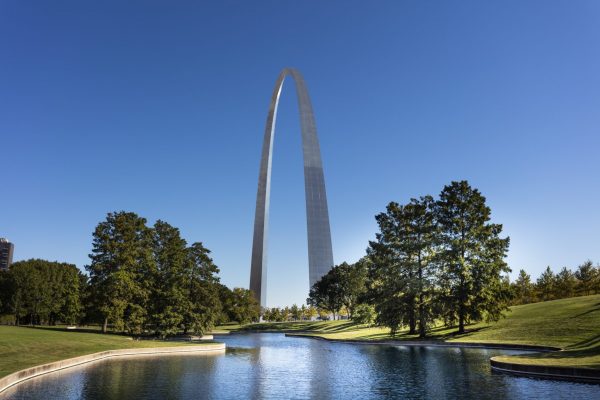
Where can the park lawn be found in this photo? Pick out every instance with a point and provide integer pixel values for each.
(24, 347)
(571, 324)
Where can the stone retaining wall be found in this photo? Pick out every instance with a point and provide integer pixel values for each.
(549, 372)
(20, 376)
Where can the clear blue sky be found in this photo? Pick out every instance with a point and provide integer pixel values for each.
(159, 108)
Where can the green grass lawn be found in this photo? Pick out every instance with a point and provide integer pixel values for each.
(22, 347)
(572, 324)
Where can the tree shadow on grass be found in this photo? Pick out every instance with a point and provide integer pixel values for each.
(586, 348)
(589, 345)
(596, 309)
(78, 330)
(454, 334)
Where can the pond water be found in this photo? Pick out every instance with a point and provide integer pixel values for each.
(272, 366)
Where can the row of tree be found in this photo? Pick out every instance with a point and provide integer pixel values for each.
(42, 292)
(141, 279)
(432, 260)
(293, 313)
(439, 260)
(549, 286)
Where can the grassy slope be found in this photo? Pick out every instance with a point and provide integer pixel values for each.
(572, 324)
(22, 347)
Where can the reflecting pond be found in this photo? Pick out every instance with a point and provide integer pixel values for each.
(272, 366)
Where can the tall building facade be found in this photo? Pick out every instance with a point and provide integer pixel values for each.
(320, 254)
(6, 254)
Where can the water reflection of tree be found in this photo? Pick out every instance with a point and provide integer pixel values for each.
(150, 377)
(432, 373)
(461, 373)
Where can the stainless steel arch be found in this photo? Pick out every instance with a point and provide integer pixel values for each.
(320, 254)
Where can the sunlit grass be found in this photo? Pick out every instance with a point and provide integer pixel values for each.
(22, 347)
(572, 324)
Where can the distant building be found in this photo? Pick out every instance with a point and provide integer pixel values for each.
(6, 254)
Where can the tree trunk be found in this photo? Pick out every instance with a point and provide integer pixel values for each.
(412, 319)
(105, 325)
(422, 325)
(461, 319)
(412, 323)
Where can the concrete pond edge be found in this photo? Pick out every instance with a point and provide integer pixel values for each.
(435, 343)
(32, 372)
(573, 374)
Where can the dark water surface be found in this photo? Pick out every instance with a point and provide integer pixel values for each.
(272, 366)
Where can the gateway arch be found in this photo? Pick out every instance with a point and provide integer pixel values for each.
(320, 254)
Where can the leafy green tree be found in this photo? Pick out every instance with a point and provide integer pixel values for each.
(72, 293)
(310, 313)
(303, 311)
(243, 307)
(44, 292)
(471, 255)
(352, 279)
(587, 276)
(6, 292)
(277, 315)
(122, 261)
(545, 285)
(267, 314)
(523, 288)
(226, 300)
(296, 312)
(327, 293)
(364, 314)
(565, 284)
(286, 313)
(322, 313)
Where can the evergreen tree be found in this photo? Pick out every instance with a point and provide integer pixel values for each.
(203, 306)
(523, 288)
(565, 284)
(170, 294)
(404, 251)
(471, 255)
(545, 285)
(587, 276)
(122, 264)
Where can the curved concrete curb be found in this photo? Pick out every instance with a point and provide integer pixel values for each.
(28, 373)
(587, 375)
(435, 343)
